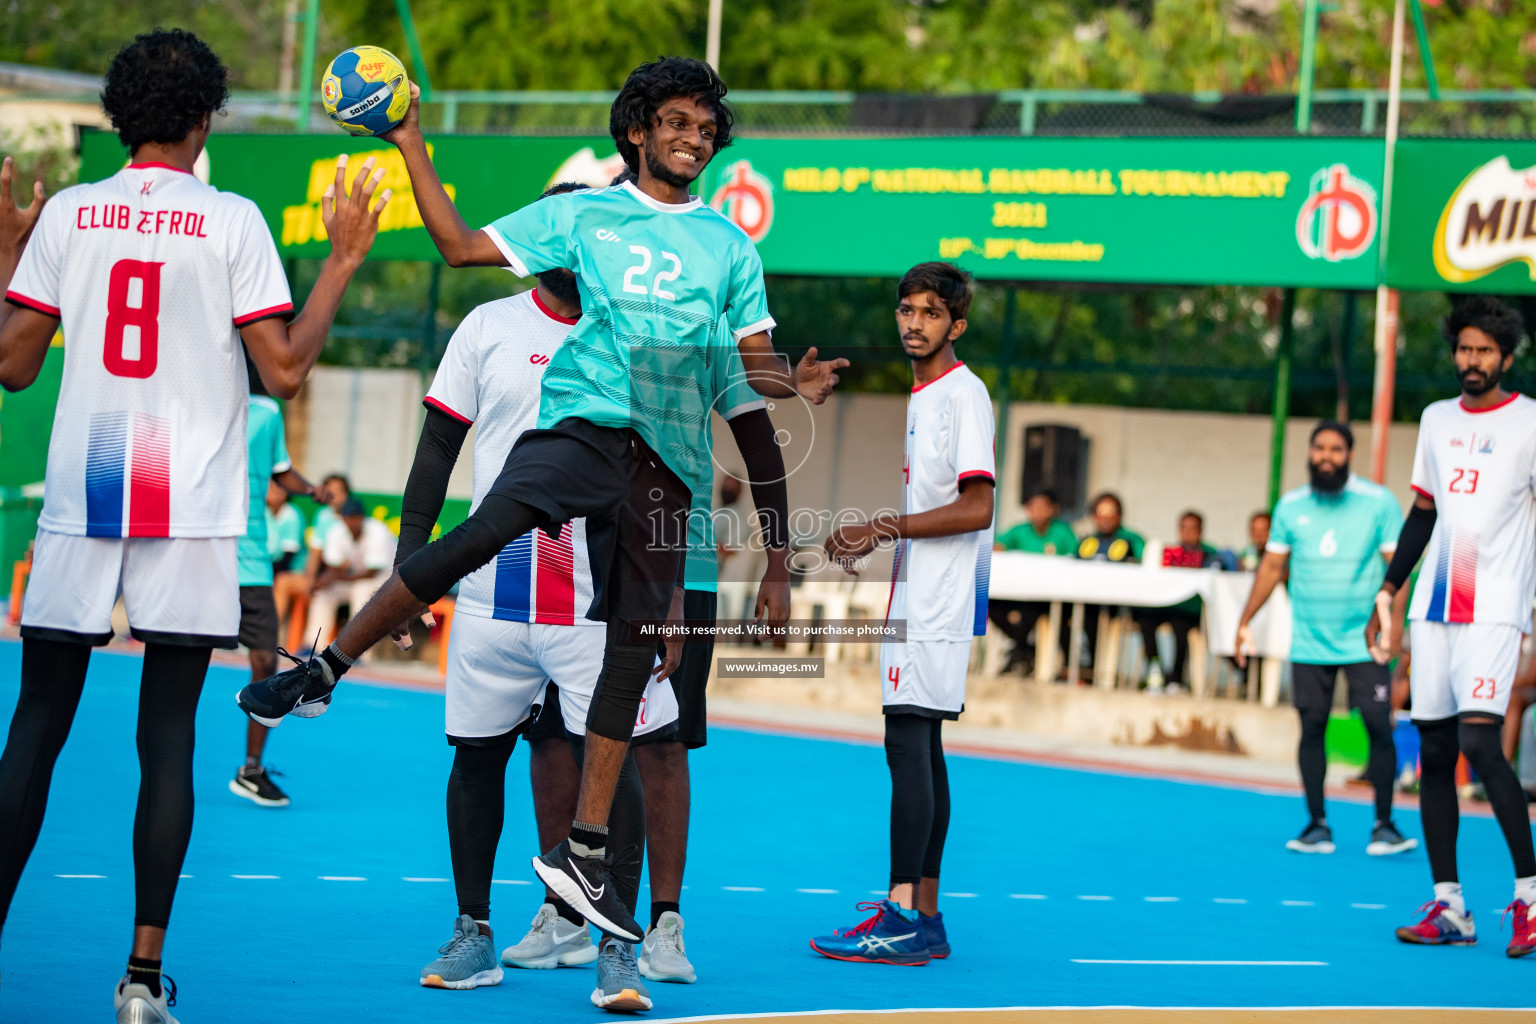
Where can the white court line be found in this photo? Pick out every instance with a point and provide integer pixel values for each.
(248, 877)
(1027, 896)
(1210, 963)
(183, 876)
(879, 892)
(342, 878)
(1161, 899)
(1254, 1011)
(958, 895)
(742, 888)
(1097, 899)
(518, 881)
(1369, 906)
(819, 892)
(408, 878)
(1297, 903)
(79, 876)
(1220, 899)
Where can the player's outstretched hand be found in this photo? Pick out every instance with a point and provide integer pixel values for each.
(16, 224)
(850, 544)
(815, 378)
(1244, 645)
(1378, 630)
(352, 218)
(773, 599)
(673, 644)
(410, 124)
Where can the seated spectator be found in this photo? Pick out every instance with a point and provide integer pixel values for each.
(1191, 552)
(1109, 542)
(1258, 535)
(358, 555)
(337, 490)
(1041, 534)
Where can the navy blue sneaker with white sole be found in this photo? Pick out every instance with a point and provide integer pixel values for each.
(889, 937)
(303, 691)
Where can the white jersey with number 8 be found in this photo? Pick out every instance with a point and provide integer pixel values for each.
(152, 273)
(1479, 467)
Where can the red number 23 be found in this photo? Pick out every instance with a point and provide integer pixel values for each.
(1484, 689)
(1464, 482)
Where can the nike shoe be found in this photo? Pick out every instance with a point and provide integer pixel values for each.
(1387, 840)
(551, 942)
(886, 938)
(303, 691)
(1315, 838)
(586, 883)
(1441, 926)
(256, 785)
(468, 960)
(662, 957)
(1523, 942)
(135, 1005)
(933, 932)
(619, 987)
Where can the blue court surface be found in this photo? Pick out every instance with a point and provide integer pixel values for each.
(1065, 887)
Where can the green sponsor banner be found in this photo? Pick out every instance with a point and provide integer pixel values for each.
(1298, 212)
(1463, 216)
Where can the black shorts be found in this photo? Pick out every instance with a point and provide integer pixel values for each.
(692, 675)
(1370, 685)
(548, 723)
(635, 506)
(258, 619)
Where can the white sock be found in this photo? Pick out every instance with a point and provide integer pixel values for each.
(1449, 893)
(1525, 890)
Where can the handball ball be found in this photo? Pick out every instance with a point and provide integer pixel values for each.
(365, 90)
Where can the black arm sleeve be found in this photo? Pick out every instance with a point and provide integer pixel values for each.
(442, 437)
(1411, 543)
(765, 471)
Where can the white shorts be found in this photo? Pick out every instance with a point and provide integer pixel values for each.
(497, 671)
(1462, 668)
(924, 677)
(180, 590)
(658, 705)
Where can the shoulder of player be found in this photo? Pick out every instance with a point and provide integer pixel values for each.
(1293, 496)
(264, 405)
(1367, 488)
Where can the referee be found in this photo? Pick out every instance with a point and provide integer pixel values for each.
(1335, 535)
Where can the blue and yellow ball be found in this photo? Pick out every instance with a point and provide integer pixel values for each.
(365, 90)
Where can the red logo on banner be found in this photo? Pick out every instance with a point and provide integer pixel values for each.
(746, 197)
(1338, 220)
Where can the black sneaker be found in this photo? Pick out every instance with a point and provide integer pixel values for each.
(1316, 838)
(303, 691)
(256, 785)
(586, 883)
(1387, 840)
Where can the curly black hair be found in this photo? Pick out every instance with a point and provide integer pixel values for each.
(161, 86)
(1500, 322)
(652, 84)
(951, 284)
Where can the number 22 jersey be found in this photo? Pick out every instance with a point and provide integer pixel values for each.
(1479, 466)
(152, 273)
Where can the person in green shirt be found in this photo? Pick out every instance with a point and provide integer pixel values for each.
(1041, 534)
(1191, 552)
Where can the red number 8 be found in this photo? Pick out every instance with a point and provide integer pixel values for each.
(145, 316)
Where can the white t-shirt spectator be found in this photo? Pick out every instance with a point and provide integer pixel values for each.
(375, 549)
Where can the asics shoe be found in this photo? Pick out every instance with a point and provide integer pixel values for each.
(1315, 838)
(619, 987)
(303, 691)
(586, 883)
(662, 957)
(1441, 926)
(1523, 942)
(468, 960)
(135, 1004)
(933, 932)
(256, 785)
(1387, 840)
(551, 942)
(886, 938)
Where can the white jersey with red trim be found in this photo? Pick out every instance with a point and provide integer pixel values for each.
(152, 273)
(1479, 466)
(939, 584)
(490, 376)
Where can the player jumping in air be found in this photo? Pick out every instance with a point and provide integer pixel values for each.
(156, 279)
(939, 588)
(1473, 517)
(622, 418)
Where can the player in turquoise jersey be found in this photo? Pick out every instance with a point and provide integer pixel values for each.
(623, 423)
(1335, 535)
(267, 463)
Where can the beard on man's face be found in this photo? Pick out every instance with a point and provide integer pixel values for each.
(656, 163)
(562, 285)
(1481, 384)
(1328, 478)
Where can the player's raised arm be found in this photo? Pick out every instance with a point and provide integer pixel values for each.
(772, 377)
(24, 330)
(461, 245)
(284, 352)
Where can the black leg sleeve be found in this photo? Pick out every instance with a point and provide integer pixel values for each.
(52, 679)
(626, 826)
(1381, 767)
(621, 683)
(908, 753)
(940, 829)
(429, 573)
(1480, 741)
(1312, 759)
(162, 828)
(1439, 749)
(477, 807)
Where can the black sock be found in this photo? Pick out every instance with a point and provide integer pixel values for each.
(594, 838)
(146, 972)
(565, 910)
(657, 909)
(339, 662)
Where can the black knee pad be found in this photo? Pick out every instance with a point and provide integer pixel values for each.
(1439, 746)
(1482, 742)
(620, 686)
(432, 571)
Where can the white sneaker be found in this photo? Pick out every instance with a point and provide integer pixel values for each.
(661, 954)
(551, 942)
(135, 1005)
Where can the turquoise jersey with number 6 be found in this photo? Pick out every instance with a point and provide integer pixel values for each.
(667, 290)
